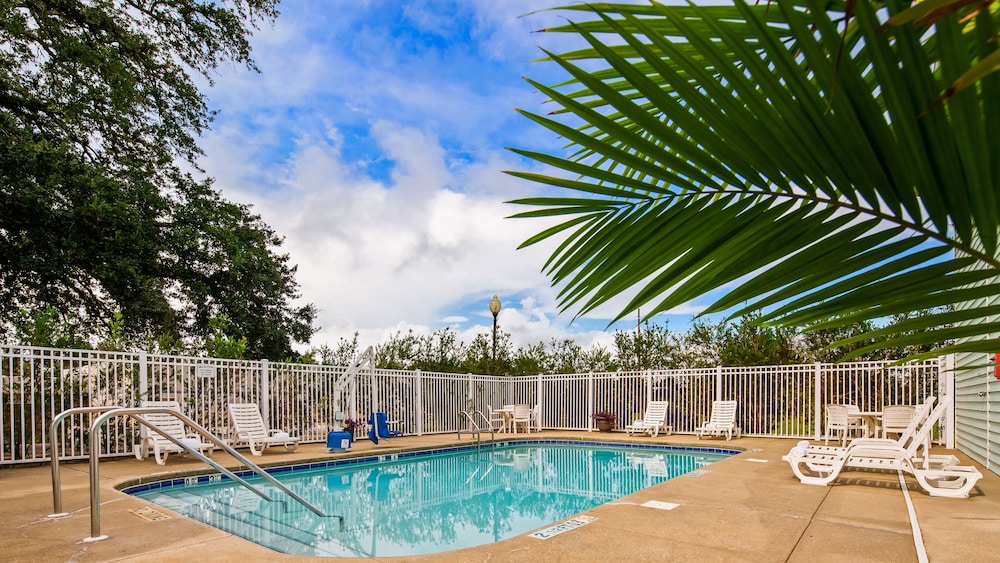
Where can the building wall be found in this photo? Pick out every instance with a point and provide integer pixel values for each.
(977, 410)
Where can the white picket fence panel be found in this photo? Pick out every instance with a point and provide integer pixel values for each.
(774, 401)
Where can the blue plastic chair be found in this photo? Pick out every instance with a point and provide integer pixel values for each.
(378, 424)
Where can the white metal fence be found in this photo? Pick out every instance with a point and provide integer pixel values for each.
(775, 401)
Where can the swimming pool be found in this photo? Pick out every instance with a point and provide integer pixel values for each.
(426, 502)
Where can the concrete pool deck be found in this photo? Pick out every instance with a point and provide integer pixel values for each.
(745, 508)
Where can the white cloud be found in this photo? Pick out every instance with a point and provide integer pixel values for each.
(380, 161)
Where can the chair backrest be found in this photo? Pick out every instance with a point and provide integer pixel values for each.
(920, 414)
(656, 412)
(522, 412)
(723, 412)
(922, 435)
(166, 422)
(896, 418)
(247, 420)
(836, 416)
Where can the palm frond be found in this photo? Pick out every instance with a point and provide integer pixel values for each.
(790, 155)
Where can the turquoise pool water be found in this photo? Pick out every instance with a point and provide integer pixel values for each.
(426, 502)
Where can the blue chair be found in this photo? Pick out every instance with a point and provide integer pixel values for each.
(378, 422)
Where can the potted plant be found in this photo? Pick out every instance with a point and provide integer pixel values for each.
(605, 420)
(349, 425)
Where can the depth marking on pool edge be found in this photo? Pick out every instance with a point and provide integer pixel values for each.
(571, 524)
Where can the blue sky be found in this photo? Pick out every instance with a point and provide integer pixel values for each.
(373, 141)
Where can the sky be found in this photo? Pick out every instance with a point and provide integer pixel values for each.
(374, 139)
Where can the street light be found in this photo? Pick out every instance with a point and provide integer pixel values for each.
(495, 309)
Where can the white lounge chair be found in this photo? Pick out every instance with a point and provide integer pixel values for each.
(918, 416)
(653, 421)
(939, 475)
(166, 424)
(721, 421)
(248, 426)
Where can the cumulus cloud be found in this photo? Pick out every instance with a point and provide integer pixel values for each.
(378, 154)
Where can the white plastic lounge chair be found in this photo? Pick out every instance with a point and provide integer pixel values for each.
(918, 416)
(653, 421)
(939, 475)
(722, 421)
(536, 417)
(155, 441)
(248, 426)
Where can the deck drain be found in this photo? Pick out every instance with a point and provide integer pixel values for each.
(150, 514)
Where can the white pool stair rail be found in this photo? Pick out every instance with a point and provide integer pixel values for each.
(134, 412)
(474, 428)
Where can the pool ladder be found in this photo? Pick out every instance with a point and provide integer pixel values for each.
(109, 412)
(474, 428)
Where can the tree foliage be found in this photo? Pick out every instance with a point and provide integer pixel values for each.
(805, 159)
(98, 112)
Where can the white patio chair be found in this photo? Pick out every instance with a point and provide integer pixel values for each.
(721, 421)
(155, 441)
(522, 417)
(653, 421)
(248, 426)
(895, 419)
(837, 422)
(856, 422)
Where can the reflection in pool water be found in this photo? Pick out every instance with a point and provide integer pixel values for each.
(432, 502)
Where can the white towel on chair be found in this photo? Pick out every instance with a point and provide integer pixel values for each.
(800, 449)
(191, 442)
(280, 435)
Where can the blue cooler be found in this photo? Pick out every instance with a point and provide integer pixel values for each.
(338, 441)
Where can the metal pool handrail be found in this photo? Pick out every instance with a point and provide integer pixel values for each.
(57, 511)
(475, 427)
(134, 412)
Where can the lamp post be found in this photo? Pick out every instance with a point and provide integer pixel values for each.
(495, 309)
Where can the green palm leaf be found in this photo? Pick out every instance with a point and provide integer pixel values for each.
(790, 155)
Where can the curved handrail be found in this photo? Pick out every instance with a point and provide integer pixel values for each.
(476, 430)
(57, 510)
(133, 412)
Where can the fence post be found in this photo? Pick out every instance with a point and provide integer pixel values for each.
(590, 401)
(372, 396)
(143, 375)
(538, 402)
(265, 392)
(817, 400)
(649, 385)
(718, 383)
(946, 388)
(418, 384)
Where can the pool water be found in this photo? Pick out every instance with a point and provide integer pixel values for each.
(426, 502)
